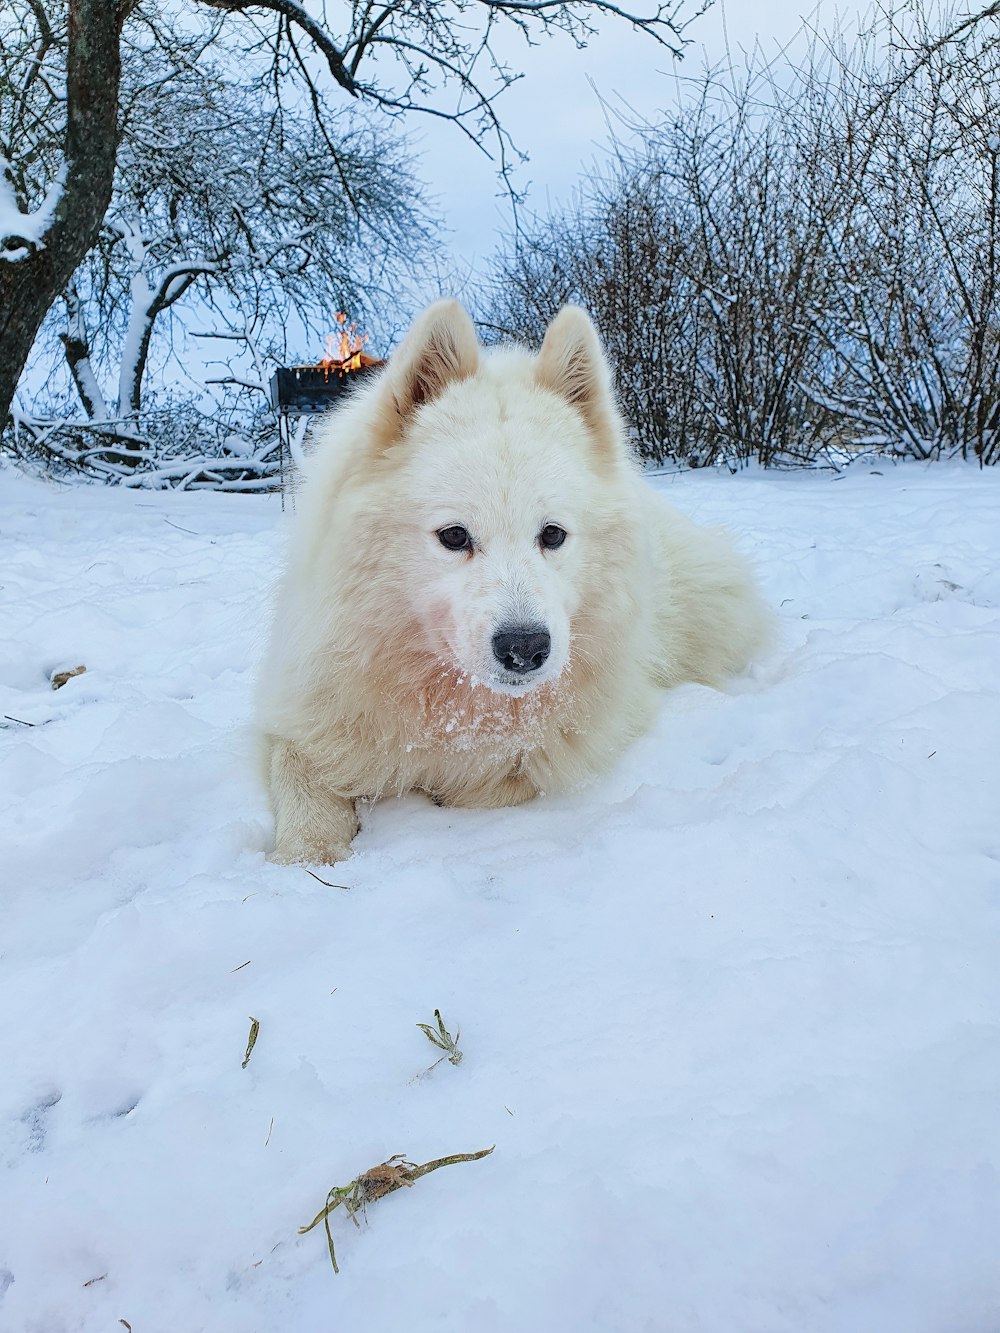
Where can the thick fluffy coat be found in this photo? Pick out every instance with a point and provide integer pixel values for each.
(483, 597)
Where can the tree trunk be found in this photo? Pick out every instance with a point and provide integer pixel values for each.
(31, 284)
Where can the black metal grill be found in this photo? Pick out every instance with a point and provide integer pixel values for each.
(300, 391)
(306, 391)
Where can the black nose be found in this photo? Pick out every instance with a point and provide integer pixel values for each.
(521, 649)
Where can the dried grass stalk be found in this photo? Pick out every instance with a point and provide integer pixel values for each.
(374, 1184)
(254, 1029)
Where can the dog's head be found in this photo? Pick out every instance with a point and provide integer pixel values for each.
(488, 474)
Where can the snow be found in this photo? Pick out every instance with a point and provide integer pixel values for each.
(30, 228)
(731, 1015)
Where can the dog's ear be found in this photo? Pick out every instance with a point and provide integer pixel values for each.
(440, 348)
(572, 364)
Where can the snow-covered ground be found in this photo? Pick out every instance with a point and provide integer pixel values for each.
(730, 1015)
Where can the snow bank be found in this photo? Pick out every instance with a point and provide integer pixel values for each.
(730, 1015)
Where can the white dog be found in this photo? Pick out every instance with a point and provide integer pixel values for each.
(483, 596)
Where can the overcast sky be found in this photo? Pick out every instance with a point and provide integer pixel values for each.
(555, 115)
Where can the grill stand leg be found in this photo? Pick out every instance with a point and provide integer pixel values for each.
(284, 453)
(290, 456)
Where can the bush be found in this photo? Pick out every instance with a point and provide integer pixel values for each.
(797, 265)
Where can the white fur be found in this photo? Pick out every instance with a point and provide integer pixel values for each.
(380, 677)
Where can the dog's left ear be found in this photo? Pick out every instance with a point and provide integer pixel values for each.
(572, 364)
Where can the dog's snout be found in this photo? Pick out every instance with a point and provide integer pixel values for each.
(522, 648)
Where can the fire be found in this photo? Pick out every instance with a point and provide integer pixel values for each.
(344, 349)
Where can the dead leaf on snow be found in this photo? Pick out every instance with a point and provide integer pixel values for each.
(59, 678)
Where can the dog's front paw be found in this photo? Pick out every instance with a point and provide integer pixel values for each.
(293, 852)
(312, 825)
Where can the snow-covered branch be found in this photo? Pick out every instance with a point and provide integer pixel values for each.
(23, 233)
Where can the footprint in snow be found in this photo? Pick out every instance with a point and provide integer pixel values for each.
(35, 1120)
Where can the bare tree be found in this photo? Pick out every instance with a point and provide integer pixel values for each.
(42, 245)
(439, 58)
(400, 57)
(259, 207)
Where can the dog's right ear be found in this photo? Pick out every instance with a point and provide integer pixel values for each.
(440, 348)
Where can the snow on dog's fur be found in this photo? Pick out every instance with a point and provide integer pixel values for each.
(483, 597)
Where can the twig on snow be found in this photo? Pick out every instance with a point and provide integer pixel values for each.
(375, 1183)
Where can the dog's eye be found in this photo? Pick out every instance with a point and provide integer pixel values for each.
(552, 536)
(455, 539)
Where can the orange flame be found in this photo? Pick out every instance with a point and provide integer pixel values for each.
(343, 349)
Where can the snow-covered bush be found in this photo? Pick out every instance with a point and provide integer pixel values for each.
(913, 330)
(172, 444)
(798, 263)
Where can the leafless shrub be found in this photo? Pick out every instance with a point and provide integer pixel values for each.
(797, 262)
(913, 333)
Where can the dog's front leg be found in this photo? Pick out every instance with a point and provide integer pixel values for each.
(312, 823)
